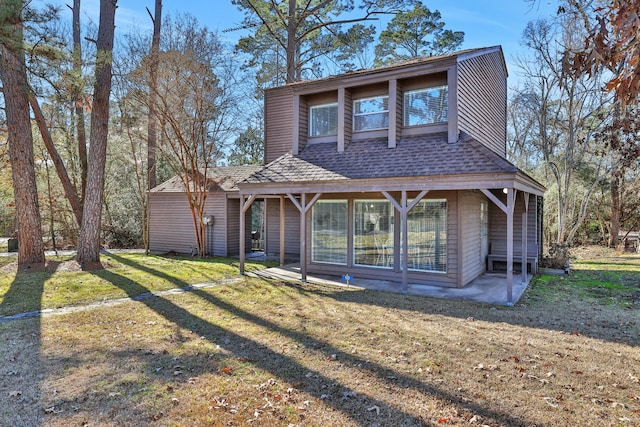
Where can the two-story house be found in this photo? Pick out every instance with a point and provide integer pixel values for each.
(398, 173)
(395, 173)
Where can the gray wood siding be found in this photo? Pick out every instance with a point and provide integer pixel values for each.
(498, 227)
(278, 122)
(472, 265)
(233, 228)
(482, 100)
(170, 223)
(303, 130)
(348, 118)
(216, 206)
(291, 228)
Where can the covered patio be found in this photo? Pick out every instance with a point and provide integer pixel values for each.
(403, 178)
(487, 288)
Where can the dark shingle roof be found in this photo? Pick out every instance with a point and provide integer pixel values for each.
(223, 178)
(424, 155)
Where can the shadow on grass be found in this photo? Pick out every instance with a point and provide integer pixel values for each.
(24, 362)
(286, 368)
(556, 306)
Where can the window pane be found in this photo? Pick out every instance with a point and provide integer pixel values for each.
(323, 120)
(371, 113)
(427, 238)
(425, 106)
(329, 232)
(371, 105)
(373, 233)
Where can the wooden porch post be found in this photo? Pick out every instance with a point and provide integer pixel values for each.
(405, 243)
(303, 207)
(303, 238)
(525, 238)
(244, 206)
(242, 236)
(404, 207)
(508, 210)
(282, 231)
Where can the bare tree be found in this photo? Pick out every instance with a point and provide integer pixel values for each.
(16, 97)
(565, 113)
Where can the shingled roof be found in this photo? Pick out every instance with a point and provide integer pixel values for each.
(424, 155)
(224, 178)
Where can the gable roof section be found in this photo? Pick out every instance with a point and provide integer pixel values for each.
(223, 178)
(410, 68)
(425, 155)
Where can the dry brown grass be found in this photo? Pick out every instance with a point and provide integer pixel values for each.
(267, 353)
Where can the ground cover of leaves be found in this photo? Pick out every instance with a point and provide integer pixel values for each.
(265, 353)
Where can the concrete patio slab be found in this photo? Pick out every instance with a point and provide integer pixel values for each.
(490, 288)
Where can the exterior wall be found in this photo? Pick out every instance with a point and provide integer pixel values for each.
(291, 228)
(470, 250)
(216, 235)
(233, 227)
(278, 122)
(498, 227)
(171, 224)
(448, 279)
(482, 100)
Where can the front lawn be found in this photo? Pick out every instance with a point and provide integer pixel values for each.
(268, 353)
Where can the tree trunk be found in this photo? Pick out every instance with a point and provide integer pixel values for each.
(152, 129)
(69, 189)
(292, 42)
(78, 99)
(20, 138)
(89, 241)
(616, 209)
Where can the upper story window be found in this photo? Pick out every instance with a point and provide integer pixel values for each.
(371, 113)
(425, 106)
(323, 120)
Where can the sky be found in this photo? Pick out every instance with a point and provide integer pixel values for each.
(484, 22)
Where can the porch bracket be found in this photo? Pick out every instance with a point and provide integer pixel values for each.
(508, 209)
(403, 207)
(303, 208)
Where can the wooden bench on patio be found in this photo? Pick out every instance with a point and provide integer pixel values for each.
(499, 254)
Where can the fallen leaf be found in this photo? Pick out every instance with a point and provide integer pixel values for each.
(443, 420)
(15, 393)
(374, 408)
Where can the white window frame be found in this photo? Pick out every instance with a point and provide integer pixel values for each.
(405, 110)
(356, 115)
(318, 107)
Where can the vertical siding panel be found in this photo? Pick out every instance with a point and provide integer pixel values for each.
(171, 225)
(348, 117)
(291, 224)
(215, 205)
(233, 226)
(482, 100)
(303, 130)
(278, 122)
(472, 265)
